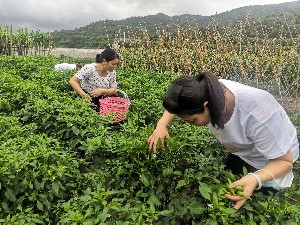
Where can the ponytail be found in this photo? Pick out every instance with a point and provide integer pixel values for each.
(98, 58)
(215, 97)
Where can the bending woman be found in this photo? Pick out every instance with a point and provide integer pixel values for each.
(249, 122)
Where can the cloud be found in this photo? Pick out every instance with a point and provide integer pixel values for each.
(49, 15)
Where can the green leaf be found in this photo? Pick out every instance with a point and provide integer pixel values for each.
(75, 130)
(177, 172)
(290, 222)
(5, 206)
(37, 221)
(211, 222)
(245, 171)
(19, 207)
(205, 191)
(55, 187)
(153, 200)
(37, 185)
(167, 171)
(145, 180)
(10, 195)
(30, 185)
(229, 211)
(102, 216)
(165, 212)
(215, 200)
(196, 208)
(39, 205)
(159, 145)
(180, 184)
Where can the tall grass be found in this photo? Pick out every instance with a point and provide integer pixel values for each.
(249, 52)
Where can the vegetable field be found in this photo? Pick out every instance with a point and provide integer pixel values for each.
(61, 163)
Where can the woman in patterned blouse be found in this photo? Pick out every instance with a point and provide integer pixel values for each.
(97, 80)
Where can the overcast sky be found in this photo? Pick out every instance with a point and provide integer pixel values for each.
(50, 15)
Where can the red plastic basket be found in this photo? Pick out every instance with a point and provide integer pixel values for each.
(115, 108)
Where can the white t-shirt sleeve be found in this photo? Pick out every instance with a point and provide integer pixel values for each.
(271, 138)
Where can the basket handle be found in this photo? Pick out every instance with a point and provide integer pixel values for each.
(123, 93)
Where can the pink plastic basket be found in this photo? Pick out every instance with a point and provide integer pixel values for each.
(115, 108)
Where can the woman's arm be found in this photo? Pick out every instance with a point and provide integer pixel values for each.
(110, 91)
(102, 91)
(161, 131)
(74, 82)
(274, 169)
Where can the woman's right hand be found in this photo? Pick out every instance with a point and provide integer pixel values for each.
(87, 98)
(160, 132)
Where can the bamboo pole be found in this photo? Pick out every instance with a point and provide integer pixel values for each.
(11, 40)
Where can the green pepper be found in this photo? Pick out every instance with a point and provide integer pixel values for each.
(242, 194)
(239, 188)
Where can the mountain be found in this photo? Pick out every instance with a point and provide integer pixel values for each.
(100, 33)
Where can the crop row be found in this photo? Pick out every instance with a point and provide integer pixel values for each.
(61, 163)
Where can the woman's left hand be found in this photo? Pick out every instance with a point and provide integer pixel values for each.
(249, 183)
(96, 92)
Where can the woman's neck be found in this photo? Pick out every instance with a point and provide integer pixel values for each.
(102, 71)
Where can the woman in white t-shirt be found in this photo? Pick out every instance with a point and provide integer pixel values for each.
(97, 80)
(249, 122)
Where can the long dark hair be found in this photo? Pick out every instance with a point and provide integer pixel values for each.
(187, 95)
(107, 54)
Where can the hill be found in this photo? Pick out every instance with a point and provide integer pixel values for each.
(98, 34)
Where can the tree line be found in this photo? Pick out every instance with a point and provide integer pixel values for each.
(101, 33)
